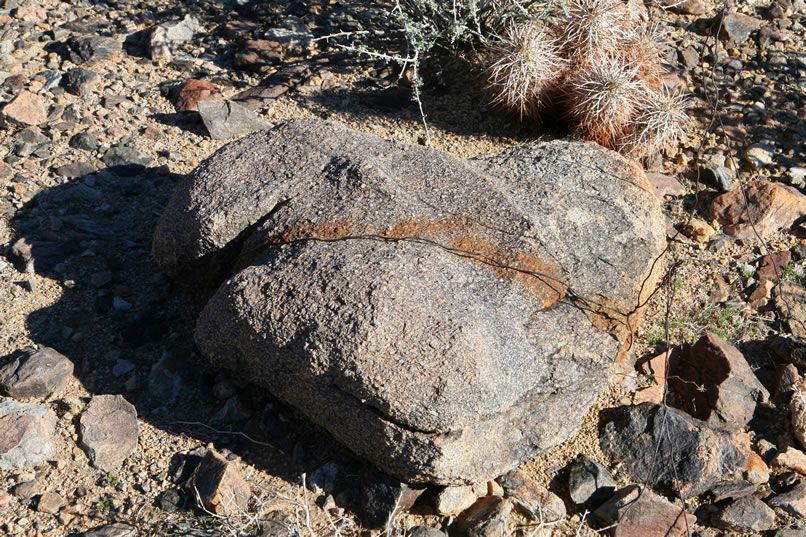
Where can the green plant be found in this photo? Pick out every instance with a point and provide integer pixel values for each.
(111, 480)
(104, 504)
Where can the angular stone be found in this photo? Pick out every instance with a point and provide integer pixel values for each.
(642, 513)
(383, 498)
(108, 431)
(25, 109)
(193, 91)
(792, 501)
(730, 490)
(227, 119)
(756, 470)
(219, 486)
(718, 176)
(669, 448)
(738, 27)
(50, 503)
(790, 459)
(80, 81)
(25, 434)
(770, 207)
(169, 36)
(589, 483)
(126, 160)
(425, 531)
(697, 230)
(533, 499)
(797, 412)
(664, 185)
(118, 529)
(487, 517)
(35, 373)
(790, 299)
(454, 500)
(79, 168)
(744, 514)
(758, 156)
(257, 53)
(363, 215)
(686, 7)
(713, 382)
(91, 49)
(772, 267)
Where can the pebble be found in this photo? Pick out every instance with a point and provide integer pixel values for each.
(25, 109)
(220, 486)
(27, 431)
(744, 514)
(50, 503)
(758, 156)
(35, 373)
(589, 483)
(454, 500)
(167, 37)
(228, 119)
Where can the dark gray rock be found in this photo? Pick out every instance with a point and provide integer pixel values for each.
(738, 27)
(640, 512)
(79, 168)
(718, 176)
(744, 514)
(84, 140)
(80, 81)
(792, 501)
(25, 434)
(108, 431)
(425, 531)
(343, 241)
(731, 490)
(664, 447)
(165, 38)
(589, 483)
(713, 382)
(277, 524)
(383, 498)
(126, 160)
(118, 529)
(90, 49)
(228, 119)
(35, 373)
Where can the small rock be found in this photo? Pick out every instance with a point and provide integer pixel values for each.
(773, 266)
(797, 412)
(26, 489)
(50, 503)
(589, 483)
(792, 501)
(118, 529)
(730, 490)
(167, 37)
(170, 501)
(122, 367)
(642, 513)
(80, 168)
(279, 524)
(718, 176)
(790, 299)
(165, 379)
(219, 486)
(257, 53)
(744, 514)
(713, 382)
(758, 156)
(686, 7)
(383, 497)
(787, 382)
(108, 431)
(193, 91)
(35, 373)
(756, 470)
(676, 451)
(738, 27)
(126, 160)
(790, 459)
(323, 479)
(25, 434)
(454, 500)
(664, 185)
(25, 109)
(761, 295)
(90, 49)
(698, 230)
(531, 497)
(225, 120)
(80, 81)
(486, 518)
(770, 207)
(425, 531)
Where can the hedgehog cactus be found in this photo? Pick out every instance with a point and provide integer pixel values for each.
(609, 77)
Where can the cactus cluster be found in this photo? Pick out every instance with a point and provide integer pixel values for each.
(589, 65)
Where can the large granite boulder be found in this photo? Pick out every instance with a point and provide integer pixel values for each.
(443, 318)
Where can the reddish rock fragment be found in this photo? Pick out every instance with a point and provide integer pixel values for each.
(642, 513)
(25, 109)
(770, 207)
(193, 91)
(219, 486)
(773, 266)
(257, 53)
